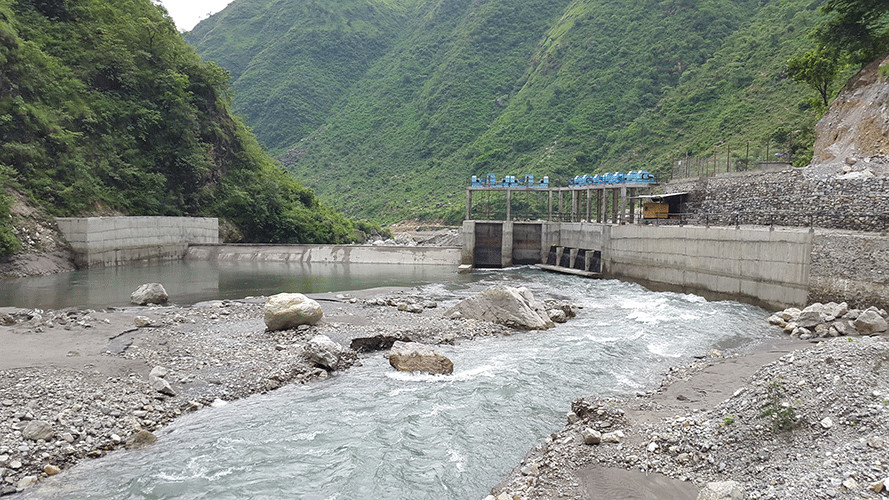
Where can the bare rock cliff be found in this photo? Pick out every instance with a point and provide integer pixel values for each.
(854, 133)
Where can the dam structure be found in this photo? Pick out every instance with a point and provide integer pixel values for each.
(753, 237)
(765, 267)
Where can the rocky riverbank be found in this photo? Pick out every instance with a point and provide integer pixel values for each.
(77, 383)
(791, 419)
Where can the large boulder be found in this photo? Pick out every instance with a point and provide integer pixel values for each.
(505, 305)
(416, 357)
(289, 310)
(149, 293)
(323, 352)
(811, 316)
(870, 323)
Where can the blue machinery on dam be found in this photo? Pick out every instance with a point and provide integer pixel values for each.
(615, 195)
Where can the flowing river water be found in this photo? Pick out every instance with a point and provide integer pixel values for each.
(374, 433)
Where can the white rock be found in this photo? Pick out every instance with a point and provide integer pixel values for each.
(612, 437)
(142, 321)
(149, 293)
(158, 371)
(721, 490)
(531, 470)
(505, 305)
(289, 310)
(826, 422)
(36, 430)
(591, 436)
(850, 484)
(790, 314)
(809, 318)
(870, 322)
(862, 174)
(26, 482)
(160, 385)
(844, 327)
(416, 357)
(411, 308)
(323, 352)
(652, 447)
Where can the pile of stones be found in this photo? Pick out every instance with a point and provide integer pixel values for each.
(830, 320)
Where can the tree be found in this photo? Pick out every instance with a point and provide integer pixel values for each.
(858, 28)
(819, 69)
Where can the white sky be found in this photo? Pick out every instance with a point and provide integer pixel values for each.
(187, 13)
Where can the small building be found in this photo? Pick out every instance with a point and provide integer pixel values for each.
(662, 206)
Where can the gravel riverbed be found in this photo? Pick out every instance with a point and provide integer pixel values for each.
(75, 384)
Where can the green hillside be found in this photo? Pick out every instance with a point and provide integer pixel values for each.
(550, 87)
(291, 61)
(105, 109)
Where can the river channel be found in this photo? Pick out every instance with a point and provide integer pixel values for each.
(373, 433)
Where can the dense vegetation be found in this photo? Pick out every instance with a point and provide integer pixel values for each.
(445, 90)
(105, 109)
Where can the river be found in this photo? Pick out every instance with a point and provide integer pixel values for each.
(374, 433)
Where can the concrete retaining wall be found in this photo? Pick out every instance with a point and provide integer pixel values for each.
(112, 241)
(343, 254)
(767, 268)
(850, 267)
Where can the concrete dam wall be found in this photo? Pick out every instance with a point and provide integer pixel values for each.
(333, 254)
(766, 267)
(114, 241)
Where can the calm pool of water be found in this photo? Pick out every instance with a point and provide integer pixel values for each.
(188, 282)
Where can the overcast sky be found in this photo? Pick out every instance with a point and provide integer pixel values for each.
(187, 13)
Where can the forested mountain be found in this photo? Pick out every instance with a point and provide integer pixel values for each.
(105, 109)
(386, 107)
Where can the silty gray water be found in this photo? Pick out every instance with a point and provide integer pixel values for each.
(372, 432)
(188, 282)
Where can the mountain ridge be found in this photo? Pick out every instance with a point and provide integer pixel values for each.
(554, 88)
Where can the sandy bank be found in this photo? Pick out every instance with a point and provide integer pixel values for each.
(704, 424)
